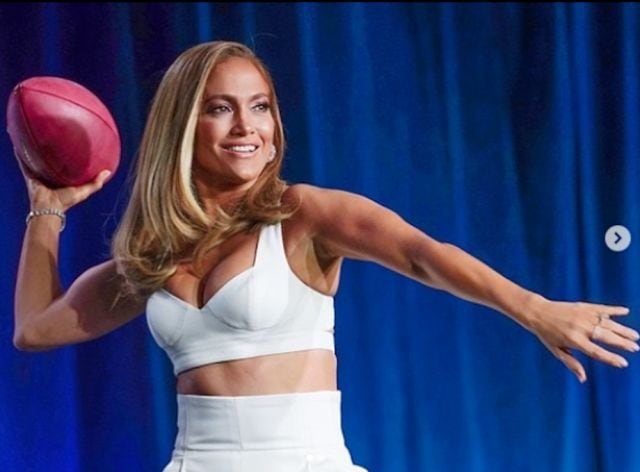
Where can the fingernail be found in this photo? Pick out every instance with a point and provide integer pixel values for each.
(636, 348)
(623, 363)
(106, 173)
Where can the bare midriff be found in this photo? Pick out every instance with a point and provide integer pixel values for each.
(292, 372)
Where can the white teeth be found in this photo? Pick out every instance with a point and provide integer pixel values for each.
(246, 148)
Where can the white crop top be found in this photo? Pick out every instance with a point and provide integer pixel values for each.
(265, 309)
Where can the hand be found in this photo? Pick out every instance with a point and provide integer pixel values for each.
(562, 326)
(42, 196)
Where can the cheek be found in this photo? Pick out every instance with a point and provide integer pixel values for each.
(267, 128)
(206, 134)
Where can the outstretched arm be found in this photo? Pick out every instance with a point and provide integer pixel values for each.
(348, 225)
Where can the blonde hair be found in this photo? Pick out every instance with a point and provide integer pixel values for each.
(165, 222)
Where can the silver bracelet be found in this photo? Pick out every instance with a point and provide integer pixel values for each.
(48, 211)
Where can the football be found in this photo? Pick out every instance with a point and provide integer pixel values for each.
(61, 131)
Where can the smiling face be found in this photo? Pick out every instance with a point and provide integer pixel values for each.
(235, 130)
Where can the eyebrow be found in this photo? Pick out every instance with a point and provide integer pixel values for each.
(231, 98)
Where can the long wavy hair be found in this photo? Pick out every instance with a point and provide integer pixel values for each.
(165, 221)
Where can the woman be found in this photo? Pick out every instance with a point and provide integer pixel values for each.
(237, 270)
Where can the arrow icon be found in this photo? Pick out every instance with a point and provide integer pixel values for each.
(617, 238)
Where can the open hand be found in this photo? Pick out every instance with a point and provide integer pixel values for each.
(562, 326)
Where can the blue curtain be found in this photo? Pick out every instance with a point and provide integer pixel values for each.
(510, 130)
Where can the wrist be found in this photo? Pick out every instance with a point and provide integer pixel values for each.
(40, 203)
(48, 212)
(532, 310)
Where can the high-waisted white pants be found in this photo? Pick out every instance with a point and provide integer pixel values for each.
(296, 432)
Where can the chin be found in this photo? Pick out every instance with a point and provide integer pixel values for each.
(248, 175)
(241, 179)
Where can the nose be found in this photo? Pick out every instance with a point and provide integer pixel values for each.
(242, 126)
(242, 129)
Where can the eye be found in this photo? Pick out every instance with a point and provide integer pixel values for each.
(262, 106)
(217, 109)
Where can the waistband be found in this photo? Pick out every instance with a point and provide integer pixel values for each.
(291, 420)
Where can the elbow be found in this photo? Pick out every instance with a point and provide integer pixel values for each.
(20, 342)
(26, 342)
(419, 272)
(422, 260)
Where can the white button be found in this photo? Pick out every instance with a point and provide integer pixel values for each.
(617, 238)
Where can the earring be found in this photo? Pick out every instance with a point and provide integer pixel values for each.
(272, 153)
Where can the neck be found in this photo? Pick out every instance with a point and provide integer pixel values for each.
(224, 196)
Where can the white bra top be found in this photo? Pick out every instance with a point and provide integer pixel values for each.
(265, 309)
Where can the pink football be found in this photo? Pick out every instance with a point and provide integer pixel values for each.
(61, 131)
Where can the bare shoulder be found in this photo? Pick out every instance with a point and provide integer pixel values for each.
(301, 194)
(343, 223)
(303, 197)
(346, 224)
(319, 205)
(312, 194)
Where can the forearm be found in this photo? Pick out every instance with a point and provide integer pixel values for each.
(451, 269)
(38, 282)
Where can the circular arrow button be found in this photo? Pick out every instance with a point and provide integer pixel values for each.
(617, 238)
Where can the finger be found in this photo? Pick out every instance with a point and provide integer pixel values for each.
(602, 355)
(84, 191)
(571, 362)
(621, 330)
(613, 339)
(611, 310)
(103, 176)
(100, 180)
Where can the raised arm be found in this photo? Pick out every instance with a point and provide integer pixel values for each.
(347, 225)
(45, 316)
